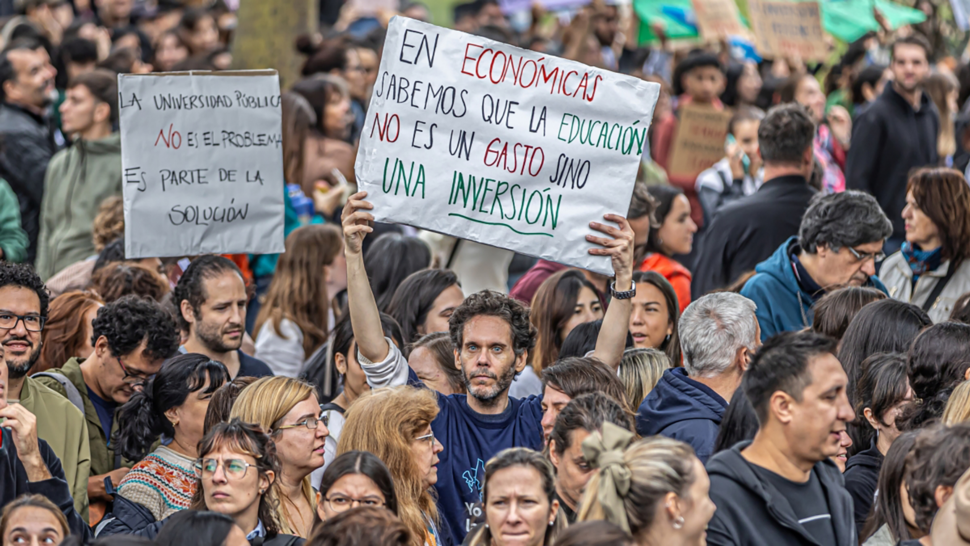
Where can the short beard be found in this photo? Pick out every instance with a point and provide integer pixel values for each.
(490, 397)
(17, 371)
(212, 340)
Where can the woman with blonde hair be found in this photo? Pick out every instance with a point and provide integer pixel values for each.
(639, 370)
(295, 317)
(67, 332)
(395, 425)
(288, 409)
(656, 489)
(958, 406)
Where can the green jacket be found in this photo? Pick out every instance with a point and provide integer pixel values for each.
(78, 179)
(102, 457)
(63, 427)
(13, 238)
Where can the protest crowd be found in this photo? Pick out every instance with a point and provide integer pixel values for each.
(779, 355)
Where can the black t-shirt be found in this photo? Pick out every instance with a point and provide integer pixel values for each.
(807, 500)
(252, 367)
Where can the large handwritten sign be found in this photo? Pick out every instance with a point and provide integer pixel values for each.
(718, 19)
(699, 142)
(499, 145)
(788, 29)
(203, 163)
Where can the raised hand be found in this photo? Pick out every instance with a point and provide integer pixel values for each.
(356, 222)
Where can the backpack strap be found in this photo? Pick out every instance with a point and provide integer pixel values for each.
(938, 288)
(73, 395)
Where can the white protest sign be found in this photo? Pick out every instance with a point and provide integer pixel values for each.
(499, 145)
(202, 159)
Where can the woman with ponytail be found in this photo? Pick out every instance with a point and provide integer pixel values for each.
(171, 405)
(656, 489)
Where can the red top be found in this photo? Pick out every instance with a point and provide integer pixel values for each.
(677, 275)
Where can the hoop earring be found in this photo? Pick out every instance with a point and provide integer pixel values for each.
(678, 522)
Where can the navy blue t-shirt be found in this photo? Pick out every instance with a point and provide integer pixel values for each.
(470, 440)
(106, 412)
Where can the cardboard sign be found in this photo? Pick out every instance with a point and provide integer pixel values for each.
(718, 19)
(499, 145)
(788, 29)
(202, 159)
(699, 142)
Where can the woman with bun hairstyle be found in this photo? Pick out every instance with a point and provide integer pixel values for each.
(173, 404)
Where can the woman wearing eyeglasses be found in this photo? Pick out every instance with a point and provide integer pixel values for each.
(355, 478)
(237, 467)
(395, 425)
(288, 409)
(172, 405)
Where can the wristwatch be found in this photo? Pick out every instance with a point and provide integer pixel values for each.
(623, 295)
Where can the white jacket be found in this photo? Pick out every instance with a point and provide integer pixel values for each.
(898, 278)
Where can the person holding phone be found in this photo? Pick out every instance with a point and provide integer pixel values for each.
(739, 173)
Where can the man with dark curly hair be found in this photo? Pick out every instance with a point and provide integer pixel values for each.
(23, 310)
(131, 337)
(491, 336)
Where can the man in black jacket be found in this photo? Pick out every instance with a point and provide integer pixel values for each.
(896, 134)
(782, 487)
(746, 232)
(27, 464)
(26, 135)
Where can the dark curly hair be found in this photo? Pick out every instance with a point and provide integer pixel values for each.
(190, 286)
(127, 322)
(940, 456)
(492, 304)
(23, 276)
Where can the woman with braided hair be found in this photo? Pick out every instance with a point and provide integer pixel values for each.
(656, 489)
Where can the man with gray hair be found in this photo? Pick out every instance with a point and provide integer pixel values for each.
(717, 335)
(838, 244)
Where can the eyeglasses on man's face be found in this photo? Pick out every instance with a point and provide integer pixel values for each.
(864, 256)
(32, 323)
(137, 377)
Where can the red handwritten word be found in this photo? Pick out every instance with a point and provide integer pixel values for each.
(494, 65)
(173, 140)
(384, 130)
(497, 155)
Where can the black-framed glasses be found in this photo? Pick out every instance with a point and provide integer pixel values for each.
(32, 323)
(864, 256)
(310, 422)
(341, 503)
(138, 376)
(233, 468)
